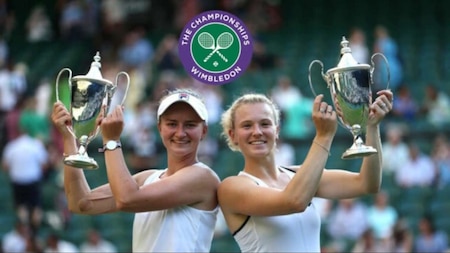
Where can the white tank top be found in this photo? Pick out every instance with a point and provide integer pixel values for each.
(181, 229)
(297, 232)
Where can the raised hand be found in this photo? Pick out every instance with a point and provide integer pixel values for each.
(61, 119)
(112, 125)
(381, 106)
(324, 117)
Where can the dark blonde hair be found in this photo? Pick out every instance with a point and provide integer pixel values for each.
(228, 117)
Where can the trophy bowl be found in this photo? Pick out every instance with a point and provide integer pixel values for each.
(89, 94)
(350, 87)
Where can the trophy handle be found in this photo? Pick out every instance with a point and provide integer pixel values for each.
(309, 75)
(57, 92)
(128, 84)
(387, 68)
(57, 81)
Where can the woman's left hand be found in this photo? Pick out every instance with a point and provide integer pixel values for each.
(381, 106)
(112, 125)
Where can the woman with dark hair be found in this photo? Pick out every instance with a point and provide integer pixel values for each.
(429, 239)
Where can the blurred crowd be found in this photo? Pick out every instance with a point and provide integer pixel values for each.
(410, 214)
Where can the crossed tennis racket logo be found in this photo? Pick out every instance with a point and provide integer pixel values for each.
(207, 41)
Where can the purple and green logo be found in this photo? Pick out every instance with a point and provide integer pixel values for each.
(215, 47)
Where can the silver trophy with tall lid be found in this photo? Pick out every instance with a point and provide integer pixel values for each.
(350, 85)
(89, 94)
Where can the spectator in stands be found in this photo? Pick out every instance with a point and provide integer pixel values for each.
(401, 240)
(368, 243)
(12, 119)
(177, 202)
(395, 149)
(285, 94)
(37, 126)
(96, 243)
(141, 137)
(71, 20)
(136, 56)
(25, 159)
(419, 170)
(358, 45)
(265, 203)
(440, 154)
(405, 106)
(348, 221)
(38, 25)
(112, 20)
(436, 106)
(295, 109)
(55, 244)
(16, 240)
(12, 84)
(136, 51)
(429, 238)
(381, 217)
(296, 121)
(386, 45)
(166, 54)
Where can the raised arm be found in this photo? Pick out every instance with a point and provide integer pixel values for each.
(241, 195)
(192, 185)
(338, 184)
(80, 197)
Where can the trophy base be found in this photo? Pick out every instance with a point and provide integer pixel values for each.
(358, 152)
(81, 161)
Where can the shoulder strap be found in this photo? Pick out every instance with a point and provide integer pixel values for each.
(257, 180)
(154, 176)
(288, 169)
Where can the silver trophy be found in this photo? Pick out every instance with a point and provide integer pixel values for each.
(88, 95)
(350, 86)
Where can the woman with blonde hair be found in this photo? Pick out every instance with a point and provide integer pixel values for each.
(269, 208)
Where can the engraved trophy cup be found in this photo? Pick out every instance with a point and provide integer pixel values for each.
(88, 95)
(350, 87)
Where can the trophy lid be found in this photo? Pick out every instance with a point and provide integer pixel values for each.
(347, 59)
(347, 62)
(94, 72)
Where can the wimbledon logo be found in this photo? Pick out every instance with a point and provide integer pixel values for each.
(215, 47)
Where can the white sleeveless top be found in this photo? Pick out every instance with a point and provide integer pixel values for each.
(181, 229)
(297, 232)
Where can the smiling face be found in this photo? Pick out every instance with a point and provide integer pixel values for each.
(181, 129)
(254, 131)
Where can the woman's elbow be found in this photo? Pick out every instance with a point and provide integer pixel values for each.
(298, 205)
(74, 209)
(120, 205)
(123, 204)
(84, 206)
(373, 189)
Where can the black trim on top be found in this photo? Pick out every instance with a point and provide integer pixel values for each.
(286, 168)
(242, 226)
(248, 217)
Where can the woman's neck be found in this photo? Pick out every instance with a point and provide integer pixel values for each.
(261, 167)
(175, 163)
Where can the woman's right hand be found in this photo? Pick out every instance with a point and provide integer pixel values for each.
(61, 119)
(324, 118)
